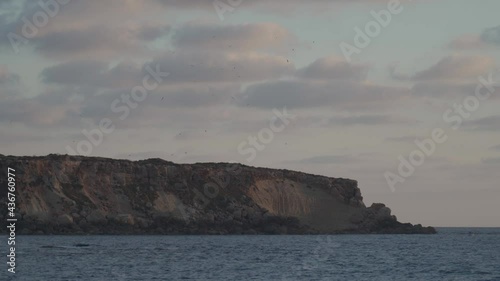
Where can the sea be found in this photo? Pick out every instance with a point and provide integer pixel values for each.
(452, 254)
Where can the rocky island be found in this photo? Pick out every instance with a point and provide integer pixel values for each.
(62, 194)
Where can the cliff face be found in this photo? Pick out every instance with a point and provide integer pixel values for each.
(73, 194)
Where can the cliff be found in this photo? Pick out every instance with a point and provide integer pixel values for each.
(58, 194)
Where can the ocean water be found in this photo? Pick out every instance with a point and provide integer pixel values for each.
(453, 254)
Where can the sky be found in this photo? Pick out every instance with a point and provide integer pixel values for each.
(401, 96)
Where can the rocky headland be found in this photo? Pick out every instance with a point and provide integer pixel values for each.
(61, 194)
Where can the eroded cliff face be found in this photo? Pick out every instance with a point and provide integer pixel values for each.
(73, 194)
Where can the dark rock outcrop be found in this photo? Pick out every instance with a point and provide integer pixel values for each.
(61, 194)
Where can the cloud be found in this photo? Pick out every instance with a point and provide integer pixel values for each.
(193, 96)
(336, 94)
(92, 73)
(329, 159)
(64, 108)
(9, 84)
(467, 42)
(98, 41)
(402, 139)
(456, 68)
(32, 113)
(490, 123)
(491, 35)
(184, 68)
(7, 77)
(74, 72)
(367, 120)
(112, 12)
(452, 89)
(69, 31)
(450, 68)
(323, 82)
(199, 66)
(443, 89)
(497, 147)
(53, 106)
(85, 89)
(488, 38)
(165, 98)
(282, 4)
(491, 161)
(333, 68)
(324, 119)
(241, 37)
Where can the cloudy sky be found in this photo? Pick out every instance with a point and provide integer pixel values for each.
(69, 67)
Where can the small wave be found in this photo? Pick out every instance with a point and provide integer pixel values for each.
(81, 245)
(54, 247)
(74, 246)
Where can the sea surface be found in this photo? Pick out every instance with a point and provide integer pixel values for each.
(453, 254)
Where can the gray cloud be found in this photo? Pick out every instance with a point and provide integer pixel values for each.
(187, 97)
(8, 78)
(192, 96)
(74, 72)
(66, 107)
(332, 68)
(468, 42)
(497, 147)
(443, 89)
(490, 123)
(453, 89)
(150, 32)
(9, 84)
(233, 37)
(337, 94)
(452, 68)
(32, 113)
(73, 22)
(194, 67)
(208, 4)
(491, 161)
(93, 73)
(98, 41)
(367, 120)
(402, 139)
(184, 67)
(491, 35)
(330, 159)
(7, 5)
(71, 32)
(351, 120)
(25, 137)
